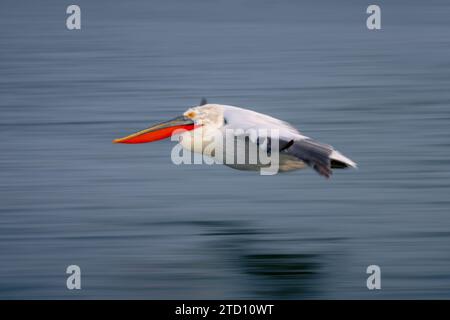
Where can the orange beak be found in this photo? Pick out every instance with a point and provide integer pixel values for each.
(159, 131)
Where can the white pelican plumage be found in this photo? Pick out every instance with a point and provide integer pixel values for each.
(296, 150)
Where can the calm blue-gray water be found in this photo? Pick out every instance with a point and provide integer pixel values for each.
(141, 227)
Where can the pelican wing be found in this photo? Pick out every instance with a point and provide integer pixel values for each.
(319, 156)
(248, 120)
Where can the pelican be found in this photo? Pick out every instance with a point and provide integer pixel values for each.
(296, 151)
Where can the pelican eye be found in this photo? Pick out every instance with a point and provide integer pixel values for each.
(191, 114)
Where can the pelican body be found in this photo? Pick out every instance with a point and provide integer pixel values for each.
(198, 128)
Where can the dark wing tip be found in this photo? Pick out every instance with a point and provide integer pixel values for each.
(314, 154)
(324, 171)
(336, 164)
(203, 101)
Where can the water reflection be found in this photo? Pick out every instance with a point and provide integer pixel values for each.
(267, 274)
(284, 276)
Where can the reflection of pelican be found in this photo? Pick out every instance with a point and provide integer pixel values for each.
(204, 121)
(269, 272)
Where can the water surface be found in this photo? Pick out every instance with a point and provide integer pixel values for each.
(141, 227)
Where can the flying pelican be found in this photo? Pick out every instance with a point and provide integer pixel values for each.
(296, 151)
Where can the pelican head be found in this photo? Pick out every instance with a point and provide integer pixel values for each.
(207, 116)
